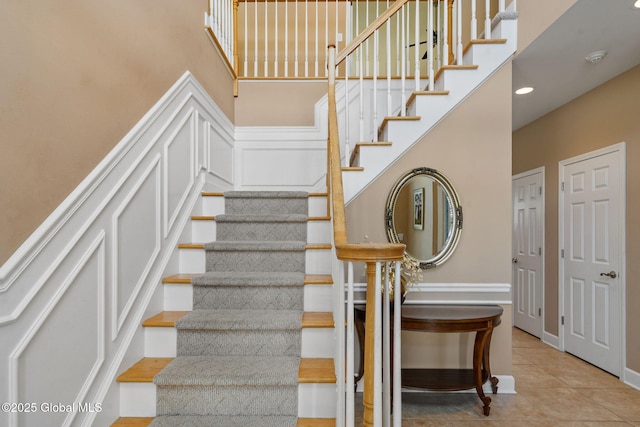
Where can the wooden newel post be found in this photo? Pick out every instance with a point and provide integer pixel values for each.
(450, 31)
(369, 348)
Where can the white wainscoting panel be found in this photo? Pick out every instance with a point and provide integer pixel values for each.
(136, 242)
(72, 298)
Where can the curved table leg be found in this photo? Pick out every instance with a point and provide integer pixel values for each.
(479, 348)
(487, 364)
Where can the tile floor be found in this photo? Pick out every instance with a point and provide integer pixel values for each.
(553, 389)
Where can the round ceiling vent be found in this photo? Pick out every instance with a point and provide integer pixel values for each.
(597, 56)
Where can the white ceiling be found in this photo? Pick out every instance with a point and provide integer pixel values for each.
(554, 64)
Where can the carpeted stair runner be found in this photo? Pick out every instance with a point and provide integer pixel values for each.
(238, 352)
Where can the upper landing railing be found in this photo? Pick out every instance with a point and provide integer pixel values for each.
(288, 38)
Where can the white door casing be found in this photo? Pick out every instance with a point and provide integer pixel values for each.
(528, 250)
(592, 256)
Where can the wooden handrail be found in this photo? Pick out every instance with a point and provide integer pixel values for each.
(371, 253)
(371, 28)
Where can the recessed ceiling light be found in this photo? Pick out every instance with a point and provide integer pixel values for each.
(637, 4)
(526, 89)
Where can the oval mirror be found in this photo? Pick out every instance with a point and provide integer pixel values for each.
(423, 212)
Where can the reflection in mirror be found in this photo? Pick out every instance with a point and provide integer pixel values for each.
(424, 213)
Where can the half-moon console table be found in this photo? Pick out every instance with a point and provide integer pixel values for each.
(480, 319)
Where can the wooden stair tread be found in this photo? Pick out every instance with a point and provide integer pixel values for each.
(318, 279)
(144, 370)
(165, 319)
(318, 246)
(388, 119)
(317, 319)
(212, 194)
(191, 246)
(316, 422)
(319, 218)
(312, 370)
(132, 422)
(316, 370)
(183, 279)
(310, 319)
(356, 150)
(203, 218)
(145, 421)
(352, 168)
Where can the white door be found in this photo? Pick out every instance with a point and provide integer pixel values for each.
(592, 217)
(528, 226)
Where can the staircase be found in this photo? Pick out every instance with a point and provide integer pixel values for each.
(246, 338)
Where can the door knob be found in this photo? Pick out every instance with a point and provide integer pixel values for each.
(514, 260)
(611, 274)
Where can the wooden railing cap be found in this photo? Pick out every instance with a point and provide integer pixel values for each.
(370, 252)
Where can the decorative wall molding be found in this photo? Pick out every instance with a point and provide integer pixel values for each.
(450, 293)
(98, 260)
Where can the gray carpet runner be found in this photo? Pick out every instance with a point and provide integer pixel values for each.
(238, 351)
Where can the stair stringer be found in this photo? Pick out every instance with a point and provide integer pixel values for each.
(432, 109)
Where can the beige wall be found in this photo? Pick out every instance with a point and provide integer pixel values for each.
(605, 116)
(278, 103)
(536, 16)
(472, 148)
(75, 77)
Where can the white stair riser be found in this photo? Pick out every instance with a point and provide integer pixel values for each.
(318, 298)
(318, 342)
(318, 261)
(317, 401)
(317, 206)
(212, 205)
(137, 400)
(161, 342)
(318, 231)
(178, 297)
(203, 231)
(192, 260)
(314, 400)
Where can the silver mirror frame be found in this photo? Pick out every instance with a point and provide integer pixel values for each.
(453, 239)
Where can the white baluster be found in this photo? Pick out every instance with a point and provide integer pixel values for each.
(266, 39)
(377, 354)
(374, 97)
(326, 31)
(350, 368)
(337, 29)
(403, 69)
(445, 35)
(430, 20)
(316, 38)
(459, 59)
(417, 50)
(388, 32)
(386, 349)
(256, 38)
(361, 95)
(306, 38)
(276, 40)
(397, 346)
(296, 56)
(487, 20)
(501, 6)
(286, 38)
(474, 20)
(246, 41)
(366, 51)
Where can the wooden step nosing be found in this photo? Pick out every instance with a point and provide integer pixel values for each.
(311, 370)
